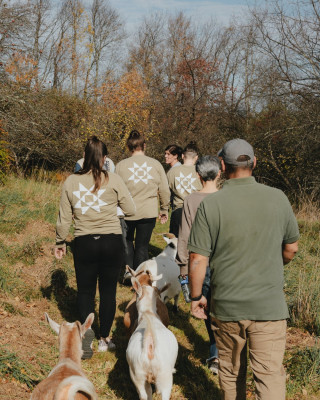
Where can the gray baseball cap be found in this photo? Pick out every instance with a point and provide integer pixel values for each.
(237, 152)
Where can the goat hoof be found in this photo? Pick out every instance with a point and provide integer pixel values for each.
(175, 309)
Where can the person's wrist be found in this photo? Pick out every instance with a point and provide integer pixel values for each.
(196, 298)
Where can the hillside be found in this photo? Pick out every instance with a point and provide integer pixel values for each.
(32, 282)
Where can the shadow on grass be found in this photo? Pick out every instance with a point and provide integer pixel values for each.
(65, 297)
(193, 380)
(182, 320)
(62, 293)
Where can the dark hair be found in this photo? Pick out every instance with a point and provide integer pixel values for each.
(230, 169)
(191, 150)
(135, 141)
(208, 167)
(94, 153)
(174, 149)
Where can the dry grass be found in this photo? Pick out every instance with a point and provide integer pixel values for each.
(34, 282)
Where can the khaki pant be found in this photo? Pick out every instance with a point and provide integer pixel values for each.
(266, 341)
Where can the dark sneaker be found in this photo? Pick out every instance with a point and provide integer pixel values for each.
(87, 351)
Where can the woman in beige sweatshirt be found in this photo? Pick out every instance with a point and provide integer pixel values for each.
(147, 182)
(90, 199)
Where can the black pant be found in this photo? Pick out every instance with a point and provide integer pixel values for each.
(175, 221)
(138, 252)
(98, 257)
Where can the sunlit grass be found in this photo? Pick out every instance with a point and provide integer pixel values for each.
(28, 270)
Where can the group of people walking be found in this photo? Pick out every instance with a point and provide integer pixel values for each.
(232, 245)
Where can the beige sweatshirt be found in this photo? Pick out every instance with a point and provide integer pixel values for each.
(183, 180)
(92, 213)
(146, 180)
(190, 207)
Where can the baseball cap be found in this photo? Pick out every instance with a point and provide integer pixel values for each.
(237, 152)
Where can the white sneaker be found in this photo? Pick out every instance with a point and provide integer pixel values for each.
(214, 366)
(105, 345)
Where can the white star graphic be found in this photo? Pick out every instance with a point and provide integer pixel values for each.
(140, 173)
(185, 183)
(88, 200)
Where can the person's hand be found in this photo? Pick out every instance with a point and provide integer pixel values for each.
(59, 252)
(198, 308)
(163, 218)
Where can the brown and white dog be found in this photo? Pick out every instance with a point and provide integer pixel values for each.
(67, 381)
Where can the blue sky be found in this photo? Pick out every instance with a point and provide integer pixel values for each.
(133, 11)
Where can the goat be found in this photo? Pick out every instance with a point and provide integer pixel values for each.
(165, 264)
(130, 318)
(67, 381)
(152, 349)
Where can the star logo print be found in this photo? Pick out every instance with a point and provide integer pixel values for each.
(140, 173)
(185, 183)
(87, 199)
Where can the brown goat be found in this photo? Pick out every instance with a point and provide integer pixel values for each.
(131, 313)
(67, 380)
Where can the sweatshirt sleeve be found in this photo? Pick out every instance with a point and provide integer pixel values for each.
(164, 191)
(125, 201)
(184, 231)
(64, 218)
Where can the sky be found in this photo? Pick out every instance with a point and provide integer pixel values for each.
(133, 11)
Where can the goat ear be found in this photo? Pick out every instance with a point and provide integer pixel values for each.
(136, 286)
(165, 287)
(87, 323)
(166, 238)
(54, 326)
(130, 270)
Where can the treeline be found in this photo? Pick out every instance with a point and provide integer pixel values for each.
(70, 71)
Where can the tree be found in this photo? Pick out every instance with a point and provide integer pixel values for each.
(104, 30)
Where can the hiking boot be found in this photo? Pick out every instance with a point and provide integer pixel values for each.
(105, 345)
(214, 366)
(87, 339)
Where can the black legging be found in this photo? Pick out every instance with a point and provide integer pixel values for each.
(98, 257)
(175, 221)
(139, 252)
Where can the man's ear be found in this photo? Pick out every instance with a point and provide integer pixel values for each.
(223, 165)
(254, 163)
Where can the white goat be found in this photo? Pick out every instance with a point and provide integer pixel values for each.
(165, 264)
(67, 381)
(152, 349)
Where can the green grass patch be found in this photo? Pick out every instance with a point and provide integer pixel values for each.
(6, 280)
(12, 367)
(303, 280)
(10, 308)
(303, 367)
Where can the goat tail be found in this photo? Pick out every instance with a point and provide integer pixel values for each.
(149, 338)
(69, 387)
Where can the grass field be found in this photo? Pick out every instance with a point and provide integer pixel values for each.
(32, 282)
